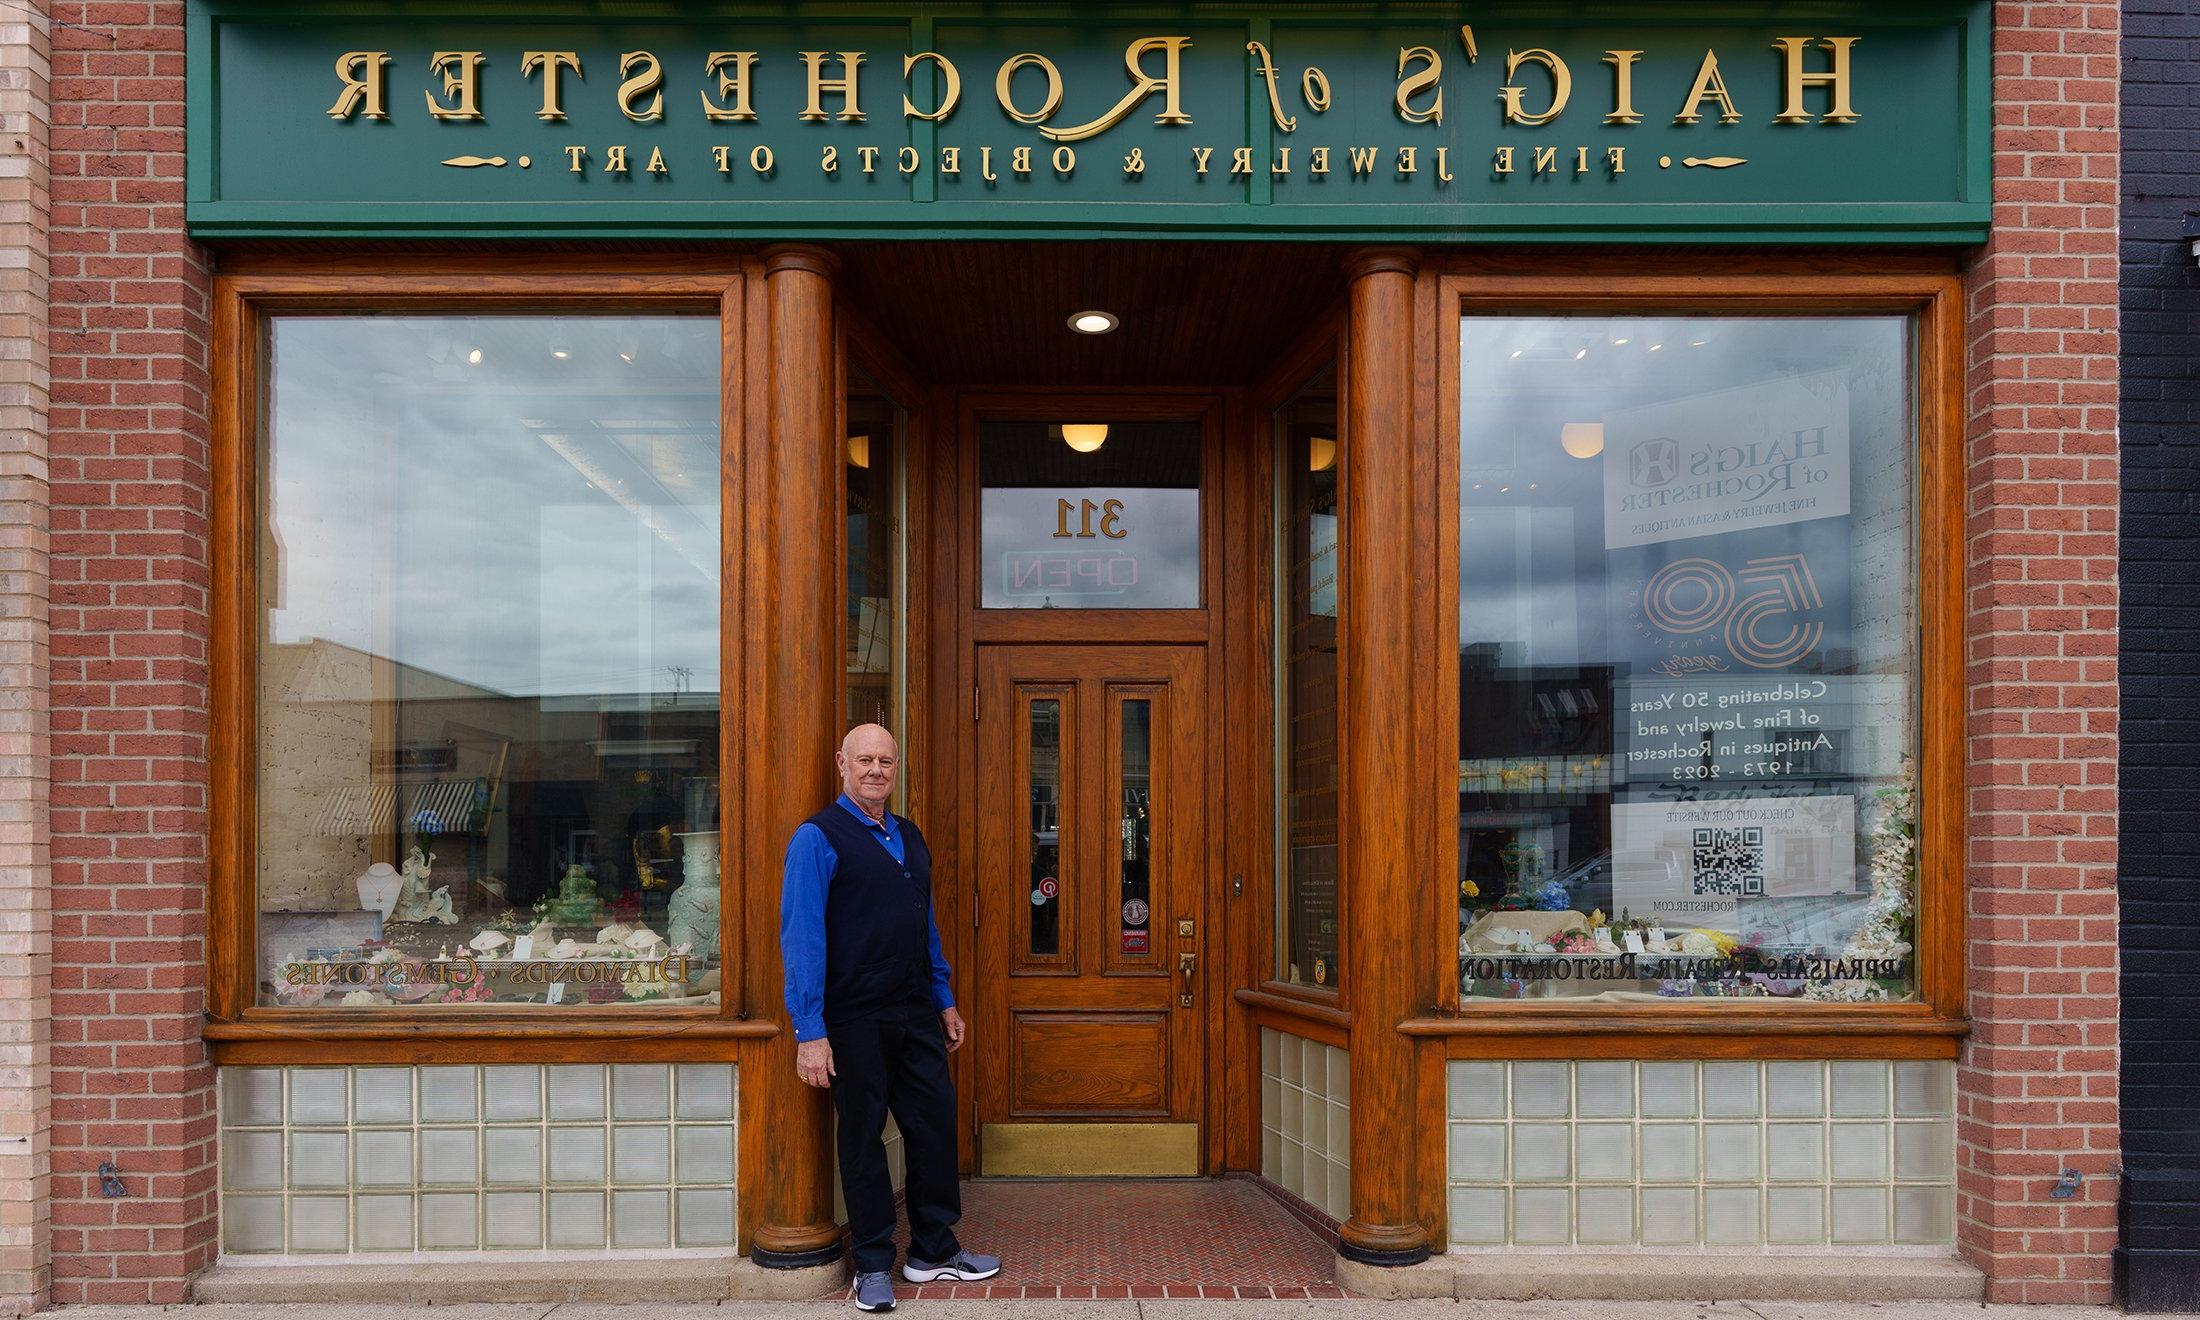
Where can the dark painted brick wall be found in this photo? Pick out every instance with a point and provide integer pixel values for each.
(2160, 772)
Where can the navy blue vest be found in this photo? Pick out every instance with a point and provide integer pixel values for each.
(878, 935)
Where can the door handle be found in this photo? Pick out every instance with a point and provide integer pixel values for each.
(1186, 963)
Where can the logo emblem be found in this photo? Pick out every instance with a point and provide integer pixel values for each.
(1653, 463)
(1135, 912)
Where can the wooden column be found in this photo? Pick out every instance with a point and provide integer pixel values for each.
(1386, 907)
(786, 1133)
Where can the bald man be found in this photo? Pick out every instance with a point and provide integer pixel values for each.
(869, 995)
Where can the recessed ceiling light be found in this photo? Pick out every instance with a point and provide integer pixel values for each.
(473, 357)
(1093, 322)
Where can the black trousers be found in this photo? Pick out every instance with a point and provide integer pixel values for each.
(894, 1061)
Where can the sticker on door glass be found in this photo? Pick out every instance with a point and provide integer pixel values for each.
(1046, 891)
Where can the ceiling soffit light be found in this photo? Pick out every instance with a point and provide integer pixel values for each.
(1582, 439)
(1321, 453)
(1084, 437)
(1093, 322)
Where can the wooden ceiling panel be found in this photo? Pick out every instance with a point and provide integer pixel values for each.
(996, 314)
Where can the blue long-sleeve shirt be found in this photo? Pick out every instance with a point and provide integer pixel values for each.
(803, 889)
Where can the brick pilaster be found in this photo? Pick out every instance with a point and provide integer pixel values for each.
(2038, 1078)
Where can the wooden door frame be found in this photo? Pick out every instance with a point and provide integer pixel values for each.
(951, 553)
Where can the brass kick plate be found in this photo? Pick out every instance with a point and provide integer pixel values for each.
(1087, 1150)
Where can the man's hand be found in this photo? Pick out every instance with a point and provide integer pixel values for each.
(952, 1023)
(813, 1062)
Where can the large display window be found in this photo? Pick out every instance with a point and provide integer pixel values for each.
(1691, 716)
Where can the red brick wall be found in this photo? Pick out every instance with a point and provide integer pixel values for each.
(131, 1081)
(2038, 1080)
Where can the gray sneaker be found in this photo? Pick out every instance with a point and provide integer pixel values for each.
(875, 1292)
(966, 1267)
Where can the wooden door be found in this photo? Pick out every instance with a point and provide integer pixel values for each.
(1092, 909)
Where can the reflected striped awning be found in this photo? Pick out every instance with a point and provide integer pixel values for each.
(454, 805)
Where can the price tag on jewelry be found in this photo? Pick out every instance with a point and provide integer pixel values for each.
(1657, 935)
(557, 993)
(1633, 941)
(523, 949)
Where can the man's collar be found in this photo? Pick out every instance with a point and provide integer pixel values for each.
(853, 808)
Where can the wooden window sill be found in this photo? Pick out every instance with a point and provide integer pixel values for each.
(417, 1038)
(1787, 1031)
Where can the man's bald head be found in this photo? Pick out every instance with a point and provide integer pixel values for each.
(869, 762)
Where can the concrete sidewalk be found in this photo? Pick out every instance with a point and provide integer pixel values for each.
(1348, 1309)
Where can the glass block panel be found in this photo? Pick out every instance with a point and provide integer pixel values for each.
(1476, 1089)
(1340, 1074)
(1795, 1152)
(1477, 1152)
(1730, 1090)
(252, 1159)
(449, 1157)
(252, 1097)
(641, 1155)
(1604, 1216)
(1340, 1133)
(447, 1222)
(511, 1092)
(512, 1221)
(252, 1224)
(1293, 1113)
(1924, 1214)
(577, 1156)
(512, 1155)
(1314, 1124)
(319, 1159)
(1923, 1088)
(1924, 1152)
(1859, 1215)
(382, 1159)
(1271, 1156)
(1860, 1089)
(1340, 1192)
(1541, 1216)
(1541, 1089)
(1797, 1215)
(1730, 1217)
(1668, 1090)
(1860, 1151)
(706, 1090)
(1795, 1090)
(1604, 1088)
(705, 1155)
(1271, 1051)
(1605, 1152)
(1294, 1166)
(576, 1091)
(447, 1095)
(705, 1218)
(1271, 1101)
(320, 1223)
(1314, 1068)
(641, 1090)
(1729, 1153)
(1669, 1152)
(381, 1095)
(641, 1219)
(1668, 1216)
(385, 1223)
(1293, 1049)
(1478, 1215)
(317, 1096)
(1540, 1151)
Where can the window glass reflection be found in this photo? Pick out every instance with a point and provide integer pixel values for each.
(1687, 677)
(488, 661)
(1310, 473)
(1089, 515)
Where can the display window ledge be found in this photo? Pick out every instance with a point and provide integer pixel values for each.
(1313, 1014)
(1829, 1031)
(368, 1037)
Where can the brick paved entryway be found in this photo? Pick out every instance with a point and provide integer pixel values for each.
(1203, 1237)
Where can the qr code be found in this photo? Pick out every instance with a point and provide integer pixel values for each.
(1730, 862)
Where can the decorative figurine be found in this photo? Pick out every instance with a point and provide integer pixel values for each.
(577, 904)
(693, 910)
(379, 886)
(488, 942)
(417, 902)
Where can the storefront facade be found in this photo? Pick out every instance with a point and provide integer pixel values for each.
(1503, 621)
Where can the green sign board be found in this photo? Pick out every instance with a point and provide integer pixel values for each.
(1418, 122)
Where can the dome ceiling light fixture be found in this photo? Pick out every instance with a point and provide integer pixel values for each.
(1084, 437)
(1093, 322)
